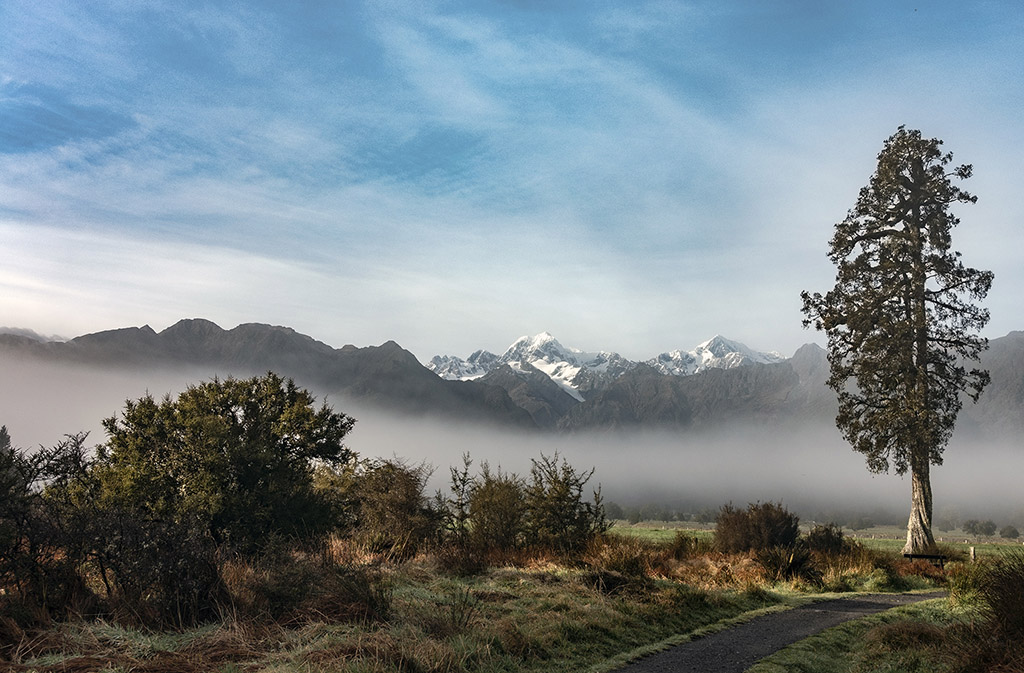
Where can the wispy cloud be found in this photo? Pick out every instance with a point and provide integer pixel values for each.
(636, 177)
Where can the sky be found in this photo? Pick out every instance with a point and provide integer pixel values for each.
(629, 176)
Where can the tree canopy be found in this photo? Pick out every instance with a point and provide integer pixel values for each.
(236, 454)
(901, 320)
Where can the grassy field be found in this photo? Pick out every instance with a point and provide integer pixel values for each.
(880, 538)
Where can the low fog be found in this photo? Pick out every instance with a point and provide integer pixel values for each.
(811, 470)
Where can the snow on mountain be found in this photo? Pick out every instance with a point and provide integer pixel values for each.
(716, 353)
(579, 372)
(456, 369)
(574, 370)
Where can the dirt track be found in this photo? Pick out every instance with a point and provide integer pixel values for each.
(737, 649)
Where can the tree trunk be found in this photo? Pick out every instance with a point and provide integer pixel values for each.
(919, 528)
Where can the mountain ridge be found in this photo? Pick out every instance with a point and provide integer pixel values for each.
(611, 393)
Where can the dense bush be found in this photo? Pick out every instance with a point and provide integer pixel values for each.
(995, 642)
(761, 526)
(1009, 532)
(788, 563)
(826, 539)
(393, 516)
(557, 516)
(497, 510)
(1002, 593)
(975, 527)
(237, 455)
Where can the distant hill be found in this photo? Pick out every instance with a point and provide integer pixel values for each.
(385, 375)
(536, 384)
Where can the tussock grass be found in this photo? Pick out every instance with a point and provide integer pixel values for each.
(345, 606)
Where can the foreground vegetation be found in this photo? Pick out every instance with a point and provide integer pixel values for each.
(231, 530)
(341, 607)
(979, 628)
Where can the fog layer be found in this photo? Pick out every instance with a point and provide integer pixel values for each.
(809, 469)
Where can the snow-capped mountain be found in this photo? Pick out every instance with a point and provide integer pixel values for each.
(456, 369)
(716, 353)
(574, 370)
(579, 372)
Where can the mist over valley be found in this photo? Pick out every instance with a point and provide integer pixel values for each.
(751, 432)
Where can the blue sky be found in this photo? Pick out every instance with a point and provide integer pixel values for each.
(633, 176)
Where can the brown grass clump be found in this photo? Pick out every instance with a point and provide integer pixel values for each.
(300, 589)
(903, 635)
(717, 570)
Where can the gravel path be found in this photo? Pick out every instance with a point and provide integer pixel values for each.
(737, 649)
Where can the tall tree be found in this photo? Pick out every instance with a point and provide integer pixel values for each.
(901, 319)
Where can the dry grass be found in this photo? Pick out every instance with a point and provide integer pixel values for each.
(342, 607)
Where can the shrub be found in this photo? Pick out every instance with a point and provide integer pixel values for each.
(497, 510)
(685, 546)
(975, 527)
(557, 516)
(826, 539)
(236, 454)
(788, 563)
(626, 555)
(1002, 593)
(394, 517)
(157, 573)
(760, 526)
(996, 641)
(1009, 532)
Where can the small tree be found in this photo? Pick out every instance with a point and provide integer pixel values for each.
(237, 454)
(1009, 532)
(497, 510)
(394, 515)
(900, 321)
(987, 528)
(557, 516)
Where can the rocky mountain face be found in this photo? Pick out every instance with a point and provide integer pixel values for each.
(580, 372)
(536, 383)
(384, 375)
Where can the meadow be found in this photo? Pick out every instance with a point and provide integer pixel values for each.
(631, 591)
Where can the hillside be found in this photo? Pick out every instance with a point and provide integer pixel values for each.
(565, 390)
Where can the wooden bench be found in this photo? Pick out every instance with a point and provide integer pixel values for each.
(934, 559)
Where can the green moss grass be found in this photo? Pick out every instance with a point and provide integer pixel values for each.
(906, 639)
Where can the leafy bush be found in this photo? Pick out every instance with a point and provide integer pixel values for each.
(557, 516)
(236, 454)
(760, 526)
(975, 527)
(394, 516)
(826, 539)
(497, 510)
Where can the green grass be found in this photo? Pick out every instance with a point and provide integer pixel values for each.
(880, 538)
(906, 639)
(662, 531)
